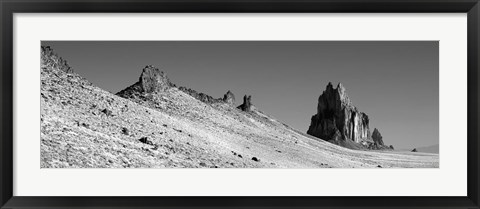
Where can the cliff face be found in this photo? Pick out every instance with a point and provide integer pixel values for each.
(337, 119)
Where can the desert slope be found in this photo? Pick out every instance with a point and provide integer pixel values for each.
(83, 126)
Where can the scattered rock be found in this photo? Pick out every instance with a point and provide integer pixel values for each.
(145, 141)
(391, 147)
(379, 166)
(203, 164)
(255, 159)
(107, 112)
(125, 131)
(414, 150)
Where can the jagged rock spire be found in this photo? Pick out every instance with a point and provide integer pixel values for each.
(229, 98)
(337, 118)
(247, 103)
(153, 80)
(377, 137)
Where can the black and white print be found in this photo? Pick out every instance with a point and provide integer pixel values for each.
(239, 104)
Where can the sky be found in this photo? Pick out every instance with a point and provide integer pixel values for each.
(396, 83)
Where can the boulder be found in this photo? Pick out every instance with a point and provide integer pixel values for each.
(337, 119)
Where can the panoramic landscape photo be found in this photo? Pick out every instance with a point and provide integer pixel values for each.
(239, 104)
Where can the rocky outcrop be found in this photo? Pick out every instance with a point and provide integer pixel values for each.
(247, 104)
(229, 98)
(200, 96)
(337, 119)
(377, 137)
(153, 80)
(150, 81)
(50, 59)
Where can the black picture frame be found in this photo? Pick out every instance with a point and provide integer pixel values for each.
(9, 7)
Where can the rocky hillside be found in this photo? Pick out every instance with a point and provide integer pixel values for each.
(154, 124)
(339, 122)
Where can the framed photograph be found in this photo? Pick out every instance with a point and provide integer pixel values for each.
(239, 104)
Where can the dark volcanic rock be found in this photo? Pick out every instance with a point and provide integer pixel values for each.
(229, 98)
(414, 150)
(247, 103)
(337, 119)
(49, 59)
(107, 112)
(145, 141)
(151, 80)
(377, 137)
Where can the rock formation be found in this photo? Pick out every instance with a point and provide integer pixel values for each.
(153, 80)
(337, 119)
(150, 81)
(200, 96)
(49, 59)
(247, 103)
(229, 98)
(377, 137)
